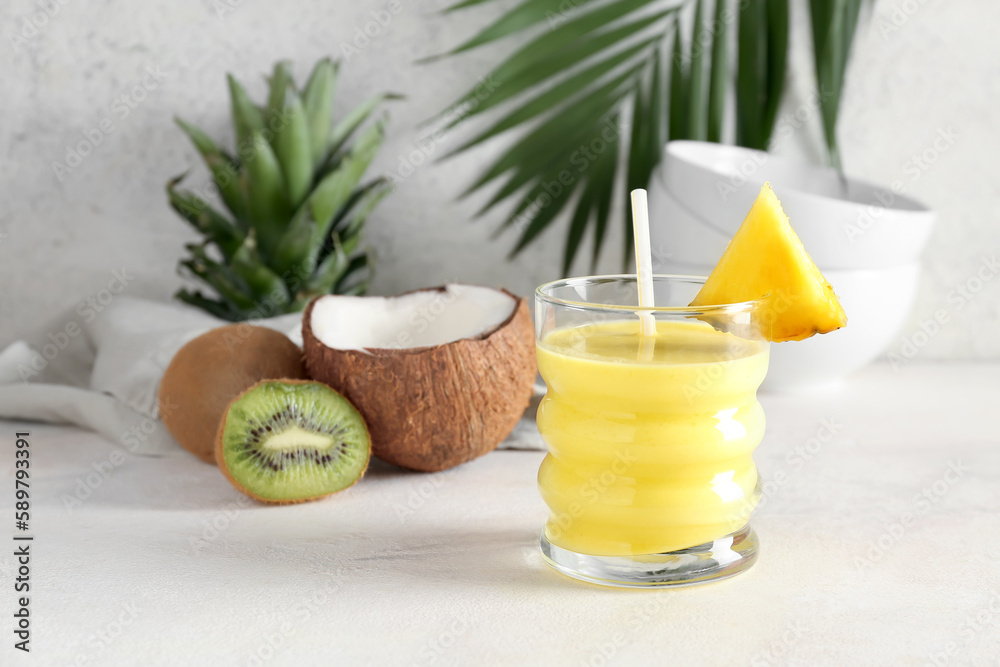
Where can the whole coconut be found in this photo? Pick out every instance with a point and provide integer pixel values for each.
(429, 405)
(210, 371)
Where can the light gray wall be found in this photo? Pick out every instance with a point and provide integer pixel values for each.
(62, 238)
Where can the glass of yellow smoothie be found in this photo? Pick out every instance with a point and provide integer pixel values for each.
(649, 478)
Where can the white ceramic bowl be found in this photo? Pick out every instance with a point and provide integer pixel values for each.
(675, 234)
(864, 227)
(877, 302)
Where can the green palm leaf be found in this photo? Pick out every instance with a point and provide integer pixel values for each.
(577, 226)
(558, 137)
(523, 16)
(574, 86)
(604, 174)
(752, 58)
(718, 73)
(679, 88)
(697, 120)
(646, 143)
(464, 4)
(559, 49)
(777, 56)
(573, 79)
(566, 86)
(834, 23)
(547, 205)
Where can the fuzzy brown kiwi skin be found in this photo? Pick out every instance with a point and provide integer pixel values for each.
(221, 460)
(206, 374)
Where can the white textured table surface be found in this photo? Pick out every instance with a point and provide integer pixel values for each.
(164, 563)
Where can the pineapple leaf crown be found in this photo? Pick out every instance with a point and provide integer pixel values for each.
(294, 195)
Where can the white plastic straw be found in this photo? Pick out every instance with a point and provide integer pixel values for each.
(643, 262)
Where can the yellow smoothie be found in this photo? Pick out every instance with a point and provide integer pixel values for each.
(649, 450)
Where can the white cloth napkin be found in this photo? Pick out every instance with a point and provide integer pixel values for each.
(101, 371)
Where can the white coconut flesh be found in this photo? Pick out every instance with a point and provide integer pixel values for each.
(420, 319)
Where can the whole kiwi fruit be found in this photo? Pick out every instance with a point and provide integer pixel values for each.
(211, 370)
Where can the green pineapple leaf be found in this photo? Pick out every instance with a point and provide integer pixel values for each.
(293, 147)
(318, 100)
(297, 251)
(364, 200)
(293, 160)
(350, 284)
(334, 190)
(329, 271)
(226, 236)
(279, 84)
(221, 309)
(220, 277)
(343, 130)
(264, 283)
(358, 288)
(266, 192)
(350, 243)
(225, 171)
(247, 118)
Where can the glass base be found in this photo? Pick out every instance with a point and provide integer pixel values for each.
(712, 561)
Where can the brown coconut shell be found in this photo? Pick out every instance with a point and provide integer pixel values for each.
(433, 408)
(211, 370)
(217, 449)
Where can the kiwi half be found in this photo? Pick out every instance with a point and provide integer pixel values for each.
(287, 441)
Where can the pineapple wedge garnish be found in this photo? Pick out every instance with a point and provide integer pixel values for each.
(766, 259)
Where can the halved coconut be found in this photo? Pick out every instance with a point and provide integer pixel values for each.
(440, 375)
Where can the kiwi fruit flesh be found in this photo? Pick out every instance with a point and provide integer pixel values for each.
(287, 441)
(209, 371)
